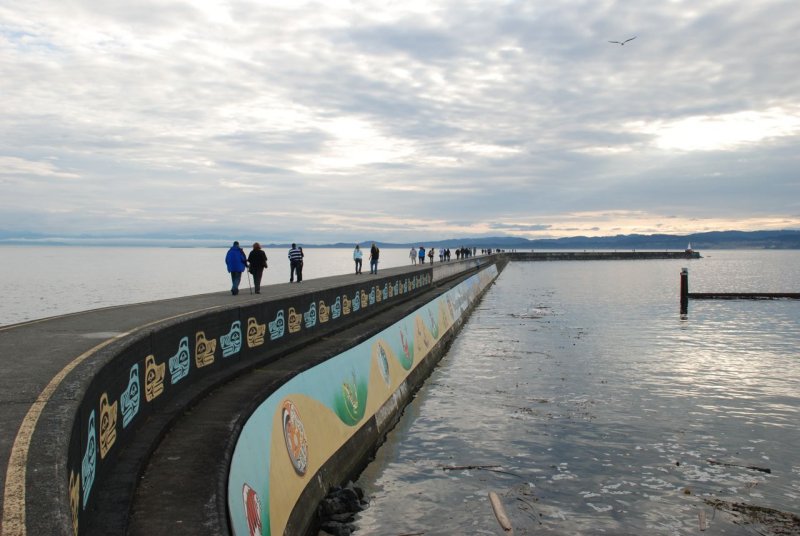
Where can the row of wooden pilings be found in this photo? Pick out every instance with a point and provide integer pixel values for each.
(686, 295)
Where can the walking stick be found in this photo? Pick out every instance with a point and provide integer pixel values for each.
(248, 283)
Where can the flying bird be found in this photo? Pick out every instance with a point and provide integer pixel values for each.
(620, 43)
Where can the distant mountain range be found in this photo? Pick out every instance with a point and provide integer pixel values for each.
(698, 241)
(788, 239)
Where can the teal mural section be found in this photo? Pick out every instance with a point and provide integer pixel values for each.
(291, 435)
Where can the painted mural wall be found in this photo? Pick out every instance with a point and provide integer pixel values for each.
(301, 425)
(144, 376)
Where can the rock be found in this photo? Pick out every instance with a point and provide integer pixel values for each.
(337, 529)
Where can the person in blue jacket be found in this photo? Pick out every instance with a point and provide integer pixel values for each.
(236, 261)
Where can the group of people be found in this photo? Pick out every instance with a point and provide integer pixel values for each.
(256, 262)
(374, 254)
(237, 262)
(444, 254)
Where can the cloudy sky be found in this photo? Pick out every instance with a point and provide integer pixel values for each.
(398, 120)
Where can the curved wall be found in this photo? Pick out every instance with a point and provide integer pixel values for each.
(311, 421)
(157, 372)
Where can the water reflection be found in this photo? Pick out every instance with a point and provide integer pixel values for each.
(577, 393)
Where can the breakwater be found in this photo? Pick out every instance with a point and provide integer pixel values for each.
(87, 398)
(601, 255)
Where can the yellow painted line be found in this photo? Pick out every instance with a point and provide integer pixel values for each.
(13, 522)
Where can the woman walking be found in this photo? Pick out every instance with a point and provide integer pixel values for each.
(257, 260)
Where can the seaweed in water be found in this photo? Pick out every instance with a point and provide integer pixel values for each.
(775, 522)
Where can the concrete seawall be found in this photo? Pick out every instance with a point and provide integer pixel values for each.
(87, 398)
(600, 255)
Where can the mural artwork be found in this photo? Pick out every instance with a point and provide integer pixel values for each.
(348, 396)
(304, 422)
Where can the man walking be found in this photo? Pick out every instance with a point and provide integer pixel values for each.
(374, 253)
(295, 263)
(236, 262)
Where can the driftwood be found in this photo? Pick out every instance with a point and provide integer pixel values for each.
(751, 467)
(492, 468)
(500, 512)
(701, 517)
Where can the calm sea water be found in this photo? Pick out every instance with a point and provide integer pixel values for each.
(576, 391)
(579, 395)
(38, 282)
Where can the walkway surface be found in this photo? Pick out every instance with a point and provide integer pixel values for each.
(36, 356)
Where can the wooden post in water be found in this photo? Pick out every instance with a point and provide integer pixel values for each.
(684, 291)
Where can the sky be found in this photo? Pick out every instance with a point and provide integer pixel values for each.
(409, 120)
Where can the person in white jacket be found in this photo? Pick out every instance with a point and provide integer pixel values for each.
(357, 255)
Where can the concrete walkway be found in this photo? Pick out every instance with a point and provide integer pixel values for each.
(37, 356)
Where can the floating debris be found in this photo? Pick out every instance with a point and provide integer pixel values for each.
(500, 512)
(776, 522)
(751, 467)
(492, 468)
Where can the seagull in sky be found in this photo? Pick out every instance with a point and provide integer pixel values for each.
(620, 43)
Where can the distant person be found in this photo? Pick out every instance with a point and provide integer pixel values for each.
(236, 262)
(374, 253)
(295, 263)
(357, 255)
(413, 255)
(441, 254)
(430, 255)
(257, 262)
(422, 255)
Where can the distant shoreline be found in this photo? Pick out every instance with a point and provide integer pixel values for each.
(721, 240)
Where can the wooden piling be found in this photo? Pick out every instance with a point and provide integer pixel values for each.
(684, 291)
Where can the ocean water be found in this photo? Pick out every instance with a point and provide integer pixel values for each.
(579, 395)
(575, 391)
(39, 282)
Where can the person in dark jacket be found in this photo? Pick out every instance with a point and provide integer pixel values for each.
(236, 263)
(374, 253)
(257, 261)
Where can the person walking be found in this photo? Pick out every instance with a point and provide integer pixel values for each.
(413, 255)
(374, 253)
(430, 255)
(357, 255)
(257, 262)
(295, 263)
(422, 254)
(236, 262)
